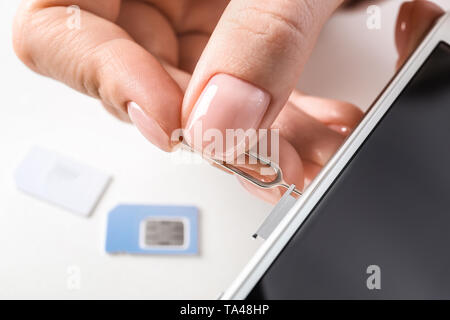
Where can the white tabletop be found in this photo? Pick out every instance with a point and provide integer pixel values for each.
(42, 247)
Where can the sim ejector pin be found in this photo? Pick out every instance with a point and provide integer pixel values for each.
(276, 182)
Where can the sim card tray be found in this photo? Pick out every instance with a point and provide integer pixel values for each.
(283, 206)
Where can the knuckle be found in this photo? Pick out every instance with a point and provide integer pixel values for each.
(91, 72)
(22, 29)
(279, 23)
(19, 34)
(95, 72)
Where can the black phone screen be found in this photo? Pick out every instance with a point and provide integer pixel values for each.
(382, 229)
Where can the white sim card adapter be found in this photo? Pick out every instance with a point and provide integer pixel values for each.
(60, 180)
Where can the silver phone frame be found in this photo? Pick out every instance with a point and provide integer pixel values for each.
(293, 220)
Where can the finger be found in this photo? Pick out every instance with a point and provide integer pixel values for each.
(181, 77)
(153, 31)
(313, 140)
(311, 170)
(148, 27)
(338, 115)
(102, 60)
(251, 64)
(414, 21)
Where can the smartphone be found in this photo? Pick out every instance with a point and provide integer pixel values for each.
(375, 223)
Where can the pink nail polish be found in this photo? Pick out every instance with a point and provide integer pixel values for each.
(225, 103)
(149, 127)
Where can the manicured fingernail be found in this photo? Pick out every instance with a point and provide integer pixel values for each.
(226, 103)
(149, 127)
(345, 131)
(403, 27)
(415, 20)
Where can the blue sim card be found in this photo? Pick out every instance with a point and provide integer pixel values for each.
(152, 230)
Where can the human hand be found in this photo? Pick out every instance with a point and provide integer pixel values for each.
(137, 57)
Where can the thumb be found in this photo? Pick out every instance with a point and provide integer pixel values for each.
(250, 65)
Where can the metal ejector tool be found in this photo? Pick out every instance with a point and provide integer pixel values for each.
(276, 178)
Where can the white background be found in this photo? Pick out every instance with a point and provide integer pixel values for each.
(40, 244)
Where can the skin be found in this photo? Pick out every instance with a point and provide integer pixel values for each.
(161, 54)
